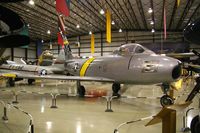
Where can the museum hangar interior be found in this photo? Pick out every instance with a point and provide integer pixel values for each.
(85, 66)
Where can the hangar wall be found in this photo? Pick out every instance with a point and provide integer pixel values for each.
(19, 53)
(118, 38)
(100, 40)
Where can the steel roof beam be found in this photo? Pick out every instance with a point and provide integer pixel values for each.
(42, 14)
(116, 24)
(198, 7)
(94, 14)
(132, 13)
(161, 24)
(34, 17)
(173, 14)
(69, 15)
(187, 8)
(130, 22)
(140, 8)
(116, 14)
(80, 29)
(83, 17)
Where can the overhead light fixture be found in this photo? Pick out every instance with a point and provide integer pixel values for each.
(102, 12)
(28, 25)
(31, 2)
(42, 41)
(77, 26)
(113, 22)
(90, 32)
(152, 30)
(151, 22)
(48, 32)
(120, 30)
(150, 10)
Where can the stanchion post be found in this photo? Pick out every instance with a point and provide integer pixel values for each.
(31, 127)
(5, 118)
(54, 100)
(16, 99)
(109, 103)
(169, 122)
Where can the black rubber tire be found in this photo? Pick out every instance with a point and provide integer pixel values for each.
(166, 100)
(116, 88)
(195, 125)
(11, 82)
(81, 91)
(30, 81)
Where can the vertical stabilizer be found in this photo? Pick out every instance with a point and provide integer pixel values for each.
(64, 55)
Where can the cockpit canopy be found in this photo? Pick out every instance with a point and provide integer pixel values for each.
(132, 48)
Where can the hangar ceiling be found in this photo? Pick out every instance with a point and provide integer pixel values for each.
(127, 15)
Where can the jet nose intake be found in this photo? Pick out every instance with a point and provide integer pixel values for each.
(176, 72)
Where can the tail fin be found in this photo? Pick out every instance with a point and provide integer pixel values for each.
(64, 55)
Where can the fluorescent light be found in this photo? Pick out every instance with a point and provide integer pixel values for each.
(120, 30)
(152, 30)
(77, 26)
(31, 2)
(150, 10)
(90, 32)
(113, 22)
(48, 32)
(151, 22)
(102, 12)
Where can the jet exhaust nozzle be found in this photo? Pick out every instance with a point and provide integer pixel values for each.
(176, 72)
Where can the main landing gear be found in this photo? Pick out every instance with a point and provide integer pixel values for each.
(30, 81)
(11, 82)
(80, 89)
(166, 99)
(116, 88)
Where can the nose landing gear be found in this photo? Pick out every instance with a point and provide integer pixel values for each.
(166, 99)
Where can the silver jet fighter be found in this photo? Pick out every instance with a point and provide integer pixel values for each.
(129, 64)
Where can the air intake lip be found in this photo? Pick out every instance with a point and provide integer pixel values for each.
(176, 72)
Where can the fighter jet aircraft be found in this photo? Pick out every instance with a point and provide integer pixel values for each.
(129, 64)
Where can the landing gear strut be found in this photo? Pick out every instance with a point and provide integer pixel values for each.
(116, 87)
(11, 82)
(166, 99)
(80, 89)
(30, 81)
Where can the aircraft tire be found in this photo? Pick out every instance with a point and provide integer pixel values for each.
(81, 91)
(11, 82)
(116, 88)
(166, 100)
(195, 125)
(30, 81)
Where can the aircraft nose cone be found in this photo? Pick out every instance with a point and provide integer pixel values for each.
(176, 72)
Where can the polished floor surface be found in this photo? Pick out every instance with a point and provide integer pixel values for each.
(82, 115)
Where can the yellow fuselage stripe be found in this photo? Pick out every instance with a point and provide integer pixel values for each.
(9, 75)
(85, 66)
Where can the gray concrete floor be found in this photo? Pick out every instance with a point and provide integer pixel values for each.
(83, 115)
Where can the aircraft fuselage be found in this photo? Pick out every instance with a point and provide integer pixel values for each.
(134, 69)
